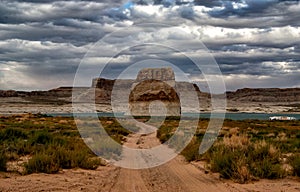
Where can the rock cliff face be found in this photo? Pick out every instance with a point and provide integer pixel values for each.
(104, 84)
(161, 74)
(148, 91)
(8, 93)
(154, 84)
(265, 95)
(58, 92)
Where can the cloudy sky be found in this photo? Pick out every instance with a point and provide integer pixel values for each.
(256, 43)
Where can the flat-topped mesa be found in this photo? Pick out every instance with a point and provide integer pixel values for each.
(102, 83)
(154, 84)
(265, 95)
(160, 74)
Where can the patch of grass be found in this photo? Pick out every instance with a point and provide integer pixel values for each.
(53, 143)
(295, 163)
(164, 134)
(68, 159)
(166, 131)
(191, 152)
(227, 162)
(41, 138)
(11, 134)
(42, 162)
(115, 130)
(267, 169)
(55, 158)
(242, 161)
(3, 161)
(229, 158)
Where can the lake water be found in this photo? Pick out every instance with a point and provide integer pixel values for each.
(233, 116)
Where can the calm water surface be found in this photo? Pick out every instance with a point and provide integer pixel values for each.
(233, 116)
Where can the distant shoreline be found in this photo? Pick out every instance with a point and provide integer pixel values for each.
(228, 115)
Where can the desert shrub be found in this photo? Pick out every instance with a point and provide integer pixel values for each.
(90, 163)
(41, 137)
(76, 158)
(228, 163)
(115, 130)
(54, 152)
(3, 161)
(42, 162)
(54, 158)
(239, 159)
(295, 163)
(191, 152)
(66, 158)
(12, 156)
(288, 146)
(11, 134)
(264, 159)
(267, 169)
(231, 164)
(164, 133)
(22, 147)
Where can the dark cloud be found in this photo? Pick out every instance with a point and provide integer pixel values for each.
(208, 3)
(187, 12)
(14, 12)
(251, 7)
(249, 39)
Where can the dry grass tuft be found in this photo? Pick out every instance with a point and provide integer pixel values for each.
(236, 141)
(234, 131)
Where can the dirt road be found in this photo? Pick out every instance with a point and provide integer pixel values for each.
(176, 175)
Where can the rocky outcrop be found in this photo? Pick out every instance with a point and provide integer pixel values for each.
(160, 74)
(58, 92)
(148, 91)
(8, 93)
(154, 84)
(265, 95)
(104, 84)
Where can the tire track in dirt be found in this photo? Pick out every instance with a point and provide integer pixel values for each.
(195, 180)
(129, 181)
(176, 175)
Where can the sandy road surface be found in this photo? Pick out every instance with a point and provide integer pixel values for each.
(176, 175)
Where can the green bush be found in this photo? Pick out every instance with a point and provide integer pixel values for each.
(241, 163)
(3, 161)
(59, 157)
(295, 163)
(41, 137)
(90, 163)
(164, 133)
(76, 158)
(267, 169)
(191, 152)
(11, 134)
(225, 161)
(22, 147)
(42, 162)
(265, 161)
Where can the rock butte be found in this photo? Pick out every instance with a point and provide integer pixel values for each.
(154, 84)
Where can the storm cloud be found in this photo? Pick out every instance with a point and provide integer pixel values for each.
(255, 43)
